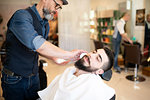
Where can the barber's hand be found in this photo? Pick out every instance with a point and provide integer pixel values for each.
(59, 61)
(76, 54)
(131, 42)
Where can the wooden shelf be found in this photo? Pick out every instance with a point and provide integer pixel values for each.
(107, 34)
(107, 42)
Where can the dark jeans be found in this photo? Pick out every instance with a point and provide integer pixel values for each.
(20, 88)
(116, 48)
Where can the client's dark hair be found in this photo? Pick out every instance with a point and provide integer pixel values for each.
(107, 66)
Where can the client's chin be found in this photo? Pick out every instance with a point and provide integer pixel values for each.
(80, 65)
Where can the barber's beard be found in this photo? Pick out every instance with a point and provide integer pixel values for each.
(80, 65)
(49, 15)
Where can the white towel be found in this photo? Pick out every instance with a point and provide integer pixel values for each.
(84, 87)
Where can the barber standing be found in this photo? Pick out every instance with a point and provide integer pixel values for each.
(25, 40)
(118, 34)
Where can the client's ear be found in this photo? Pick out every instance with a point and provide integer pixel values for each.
(100, 71)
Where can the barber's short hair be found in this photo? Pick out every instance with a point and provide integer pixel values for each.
(123, 14)
(108, 65)
(148, 15)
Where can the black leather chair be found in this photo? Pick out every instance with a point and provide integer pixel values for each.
(133, 55)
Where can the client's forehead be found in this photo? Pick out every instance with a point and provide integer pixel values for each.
(103, 54)
(100, 51)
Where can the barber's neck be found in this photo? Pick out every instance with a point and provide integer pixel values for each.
(148, 22)
(39, 8)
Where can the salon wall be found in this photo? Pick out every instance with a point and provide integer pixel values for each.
(137, 31)
(73, 24)
(7, 8)
(147, 6)
(106, 4)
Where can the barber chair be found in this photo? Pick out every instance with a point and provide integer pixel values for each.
(3, 55)
(3, 52)
(106, 75)
(133, 55)
(42, 74)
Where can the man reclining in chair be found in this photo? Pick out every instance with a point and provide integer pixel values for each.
(82, 82)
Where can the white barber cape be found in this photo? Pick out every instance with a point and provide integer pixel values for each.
(84, 87)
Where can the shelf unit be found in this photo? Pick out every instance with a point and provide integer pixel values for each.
(105, 29)
(106, 26)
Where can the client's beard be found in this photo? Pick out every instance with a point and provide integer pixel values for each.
(80, 65)
(48, 15)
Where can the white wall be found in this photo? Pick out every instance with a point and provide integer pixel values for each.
(73, 26)
(7, 8)
(147, 6)
(137, 31)
(106, 4)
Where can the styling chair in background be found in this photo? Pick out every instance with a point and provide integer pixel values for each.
(133, 55)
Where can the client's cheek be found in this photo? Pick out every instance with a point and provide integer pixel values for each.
(94, 64)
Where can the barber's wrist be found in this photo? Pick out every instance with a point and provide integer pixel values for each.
(74, 54)
(131, 41)
(67, 55)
